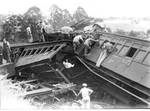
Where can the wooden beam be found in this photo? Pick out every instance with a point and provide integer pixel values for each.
(63, 76)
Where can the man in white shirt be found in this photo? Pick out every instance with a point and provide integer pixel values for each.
(107, 46)
(29, 34)
(85, 92)
(6, 51)
(77, 40)
(88, 44)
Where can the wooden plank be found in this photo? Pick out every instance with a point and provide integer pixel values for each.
(63, 76)
(29, 81)
(38, 91)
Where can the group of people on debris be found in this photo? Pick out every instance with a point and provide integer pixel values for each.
(5, 51)
(29, 32)
(89, 39)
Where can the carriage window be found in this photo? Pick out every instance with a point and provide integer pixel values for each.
(55, 47)
(38, 51)
(131, 52)
(44, 50)
(139, 57)
(28, 52)
(33, 51)
(147, 59)
(50, 48)
(123, 51)
(23, 53)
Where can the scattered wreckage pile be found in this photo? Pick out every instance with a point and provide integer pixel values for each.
(48, 95)
(41, 94)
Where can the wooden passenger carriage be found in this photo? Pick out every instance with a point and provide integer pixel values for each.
(131, 59)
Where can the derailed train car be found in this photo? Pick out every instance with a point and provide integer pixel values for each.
(131, 59)
(127, 67)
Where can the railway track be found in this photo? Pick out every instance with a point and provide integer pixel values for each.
(133, 95)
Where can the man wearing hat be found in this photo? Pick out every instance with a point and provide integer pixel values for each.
(85, 93)
(99, 27)
(77, 40)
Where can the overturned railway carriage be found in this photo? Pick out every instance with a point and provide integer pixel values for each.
(125, 71)
(131, 59)
(128, 65)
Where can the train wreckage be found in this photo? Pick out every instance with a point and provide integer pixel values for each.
(124, 74)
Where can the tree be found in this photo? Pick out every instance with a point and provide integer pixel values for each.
(33, 16)
(56, 17)
(12, 27)
(133, 33)
(120, 31)
(67, 18)
(80, 14)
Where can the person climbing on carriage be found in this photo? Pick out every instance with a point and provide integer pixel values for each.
(29, 33)
(106, 48)
(89, 42)
(98, 29)
(77, 40)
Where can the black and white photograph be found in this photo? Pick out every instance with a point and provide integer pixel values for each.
(74, 54)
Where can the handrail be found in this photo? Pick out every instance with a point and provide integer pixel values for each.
(115, 34)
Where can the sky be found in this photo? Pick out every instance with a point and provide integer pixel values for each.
(94, 8)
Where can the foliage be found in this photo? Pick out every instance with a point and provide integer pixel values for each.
(14, 27)
(108, 30)
(120, 31)
(80, 14)
(148, 31)
(59, 18)
(67, 18)
(133, 33)
(33, 16)
(56, 17)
